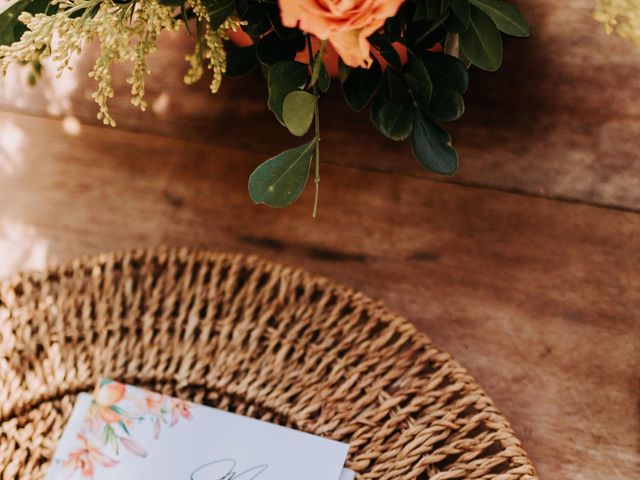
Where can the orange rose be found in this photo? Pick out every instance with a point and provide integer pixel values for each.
(345, 23)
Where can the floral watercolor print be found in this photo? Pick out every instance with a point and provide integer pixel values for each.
(115, 413)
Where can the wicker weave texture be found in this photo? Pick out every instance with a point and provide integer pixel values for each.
(247, 336)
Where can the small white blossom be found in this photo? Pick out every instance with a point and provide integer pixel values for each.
(125, 32)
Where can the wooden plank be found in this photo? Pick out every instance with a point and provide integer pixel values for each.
(538, 298)
(560, 120)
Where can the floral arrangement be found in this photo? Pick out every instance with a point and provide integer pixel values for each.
(406, 60)
(110, 421)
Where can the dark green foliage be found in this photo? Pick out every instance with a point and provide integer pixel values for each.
(241, 61)
(360, 85)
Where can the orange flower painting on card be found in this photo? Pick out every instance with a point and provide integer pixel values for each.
(112, 420)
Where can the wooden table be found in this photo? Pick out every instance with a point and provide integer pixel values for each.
(525, 266)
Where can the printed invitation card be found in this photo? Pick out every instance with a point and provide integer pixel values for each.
(125, 432)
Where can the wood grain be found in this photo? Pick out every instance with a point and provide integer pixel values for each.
(538, 298)
(560, 120)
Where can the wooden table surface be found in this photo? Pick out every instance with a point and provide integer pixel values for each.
(525, 266)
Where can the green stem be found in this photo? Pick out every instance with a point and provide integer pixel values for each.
(317, 159)
(315, 63)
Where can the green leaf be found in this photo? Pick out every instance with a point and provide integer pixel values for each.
(429, 9)
(394, 85)
(284, 78)
(417, 77)
(279, 181)
(344, 71)
(446, 71)
(424, 34)
(11, 29)
(482, 43)
(360, 86)
(9, 20)
(446, 105)
(507, 18)
(298, 110)
(272, 49)
(432, 146)
(124, 427)
(241, 61)
(285, 33)
(324, 80)
(461, 9)
(393, 117)
(386, 49)
(458, 20)
(219, 11)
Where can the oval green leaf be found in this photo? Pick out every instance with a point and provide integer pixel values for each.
(284, 78)
(458, 20)
(279, 181)
(218, 11)
(432, 147)
(394, 117)
(417, 77)
(507, 17)
(446, 71)
(482, 43)
(446, 105)
(9, 20)
(360, 86)
(324, 80)
(298, 110)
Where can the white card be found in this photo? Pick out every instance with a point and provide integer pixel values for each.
(124, 432)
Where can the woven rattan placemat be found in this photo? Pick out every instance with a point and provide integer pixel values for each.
(248, 336)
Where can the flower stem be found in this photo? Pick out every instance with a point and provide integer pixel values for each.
(315, 63)
(317, 162)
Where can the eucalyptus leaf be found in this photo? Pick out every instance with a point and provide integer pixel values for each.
(285, 77)
(432, 147)
(507, 17)
(280, 181)
(482, 43)
(393, 117)
(360, 86)
(298, 110)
